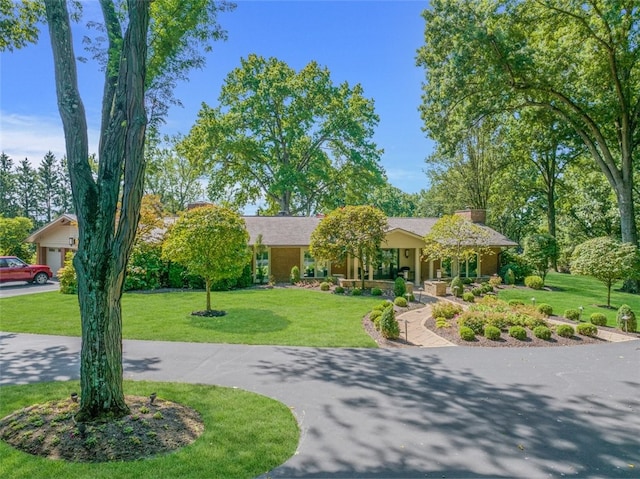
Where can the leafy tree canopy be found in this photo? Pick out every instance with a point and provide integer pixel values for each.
(292, 138)
(456, 238)
(211, 242)
(13, 233)
(541, 250)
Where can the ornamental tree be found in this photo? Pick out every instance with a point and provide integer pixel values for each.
(355, 231)
(211, 242)
(541, 250)
(456, 238)
(607, 260)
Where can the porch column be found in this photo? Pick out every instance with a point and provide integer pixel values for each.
(479, 263)
(370, 271)
(355, 269)
(431, 275)
(416, 267)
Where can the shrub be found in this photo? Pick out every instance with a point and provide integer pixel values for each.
(389, 324)
(534, 282)
(400, 301)
(324, 286)
(598, 319)
(442, 323)
(445, 309)
(509, 277)
(546, 309)
(572, 314)
(491, 332)
(399, 287)
(457, 286)
(467, 333)
(518, 332)
(376, 322)
(356, 292)
(631, 323)
(565, 330)
(495, 281)
(295, 275)
(468, 297)
(472, 320)
(338, 290)
(467, 280)
(542, 332)
(144, 268)
(477, 291)
(486, 288)
(67, 276)
(375, 313)
(587, 329)
(515, 302)
(518, 265)
(376, 292)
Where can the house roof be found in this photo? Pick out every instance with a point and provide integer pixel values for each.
(62, 220)
(296, 230)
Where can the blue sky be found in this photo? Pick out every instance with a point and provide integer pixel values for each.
(373, 43)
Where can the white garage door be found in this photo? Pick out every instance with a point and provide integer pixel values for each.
(54, 259)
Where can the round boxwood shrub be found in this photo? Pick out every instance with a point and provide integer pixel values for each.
(518, 332)
(587, 329)
(400, 301)
(542, 332)
(442, 323)
(491, 332)
(399, 287)
(546, 309)
(325, 286)
(598, 319)
(534, 282)
(467, 280)
(565, 330)
(516, 302)
(356, 292)
(467, 333)
(486, 288)
(375, 313)
(631, 323)
(457, 286)
(477, 291)
(376, 292)
(572, 314)
(468, 297)
(338, 290)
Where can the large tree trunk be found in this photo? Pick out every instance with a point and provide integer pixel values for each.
(105, 239)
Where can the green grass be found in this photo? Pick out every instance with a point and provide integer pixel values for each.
(245, 435)
(283, 316)
(571, 292)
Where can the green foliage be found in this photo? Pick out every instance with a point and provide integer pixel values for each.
(67, 276)
(516, 302)
(324, 286)
(376, 292)
(467, 333)
(445, 309)
(572, 314)
(486, 288)
(389, 324)
(290, 137)
(541, 250)
(399, 287)
(400, 301)
(587, 329)
(375, 313)
(598, 319)
(534, 282)
(546, 309)
(295, 275)
(210, 242)
(442, 323)
(565, 330)
(495, 281)
(145, 267)
(454, 237)
(356, 292)
(518, 332)
(338, 290)
(542, 332)
(606, 260)
(457, 287)
(509, 276)
(356, 231)
(13, 233)
(491, 332)
(477, 291)
(628, 324)
(468, 297)
(474, 320)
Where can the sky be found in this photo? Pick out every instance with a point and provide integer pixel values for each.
(372, 43)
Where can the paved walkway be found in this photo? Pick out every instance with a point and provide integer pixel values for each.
(405, 413)
(416, 333)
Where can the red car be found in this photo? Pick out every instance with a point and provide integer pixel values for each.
(14, 269)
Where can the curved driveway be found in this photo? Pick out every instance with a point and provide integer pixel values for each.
(437, 412)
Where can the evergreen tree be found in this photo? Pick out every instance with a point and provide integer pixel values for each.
(64, 200)
(7, 187)
(27, 190)
(48, 179)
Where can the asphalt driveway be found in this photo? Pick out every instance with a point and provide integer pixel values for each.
(437, 412)
(18, 288)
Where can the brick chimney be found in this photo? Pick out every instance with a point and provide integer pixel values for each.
(473, 215)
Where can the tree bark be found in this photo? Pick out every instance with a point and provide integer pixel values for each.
(105, 240)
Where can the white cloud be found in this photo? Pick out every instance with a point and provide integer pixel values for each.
(24, 136)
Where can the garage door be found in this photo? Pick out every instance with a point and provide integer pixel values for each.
(54, 259)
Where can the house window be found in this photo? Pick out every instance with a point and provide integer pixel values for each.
(312, 268)
(262, 267)
(388, 262)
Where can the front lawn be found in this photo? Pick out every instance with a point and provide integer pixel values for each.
(245, 435)
(567, 291)
(283, 316)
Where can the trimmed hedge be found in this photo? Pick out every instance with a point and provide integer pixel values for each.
(376, 292)
(546, 309)
(598, 319)
(518, 332)
(491, 332)
(542, 332)
(534, 282)
(467, 333)
(565, 330)
(400, 301)
(572, 314)
(325, 286)
(587, 329)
